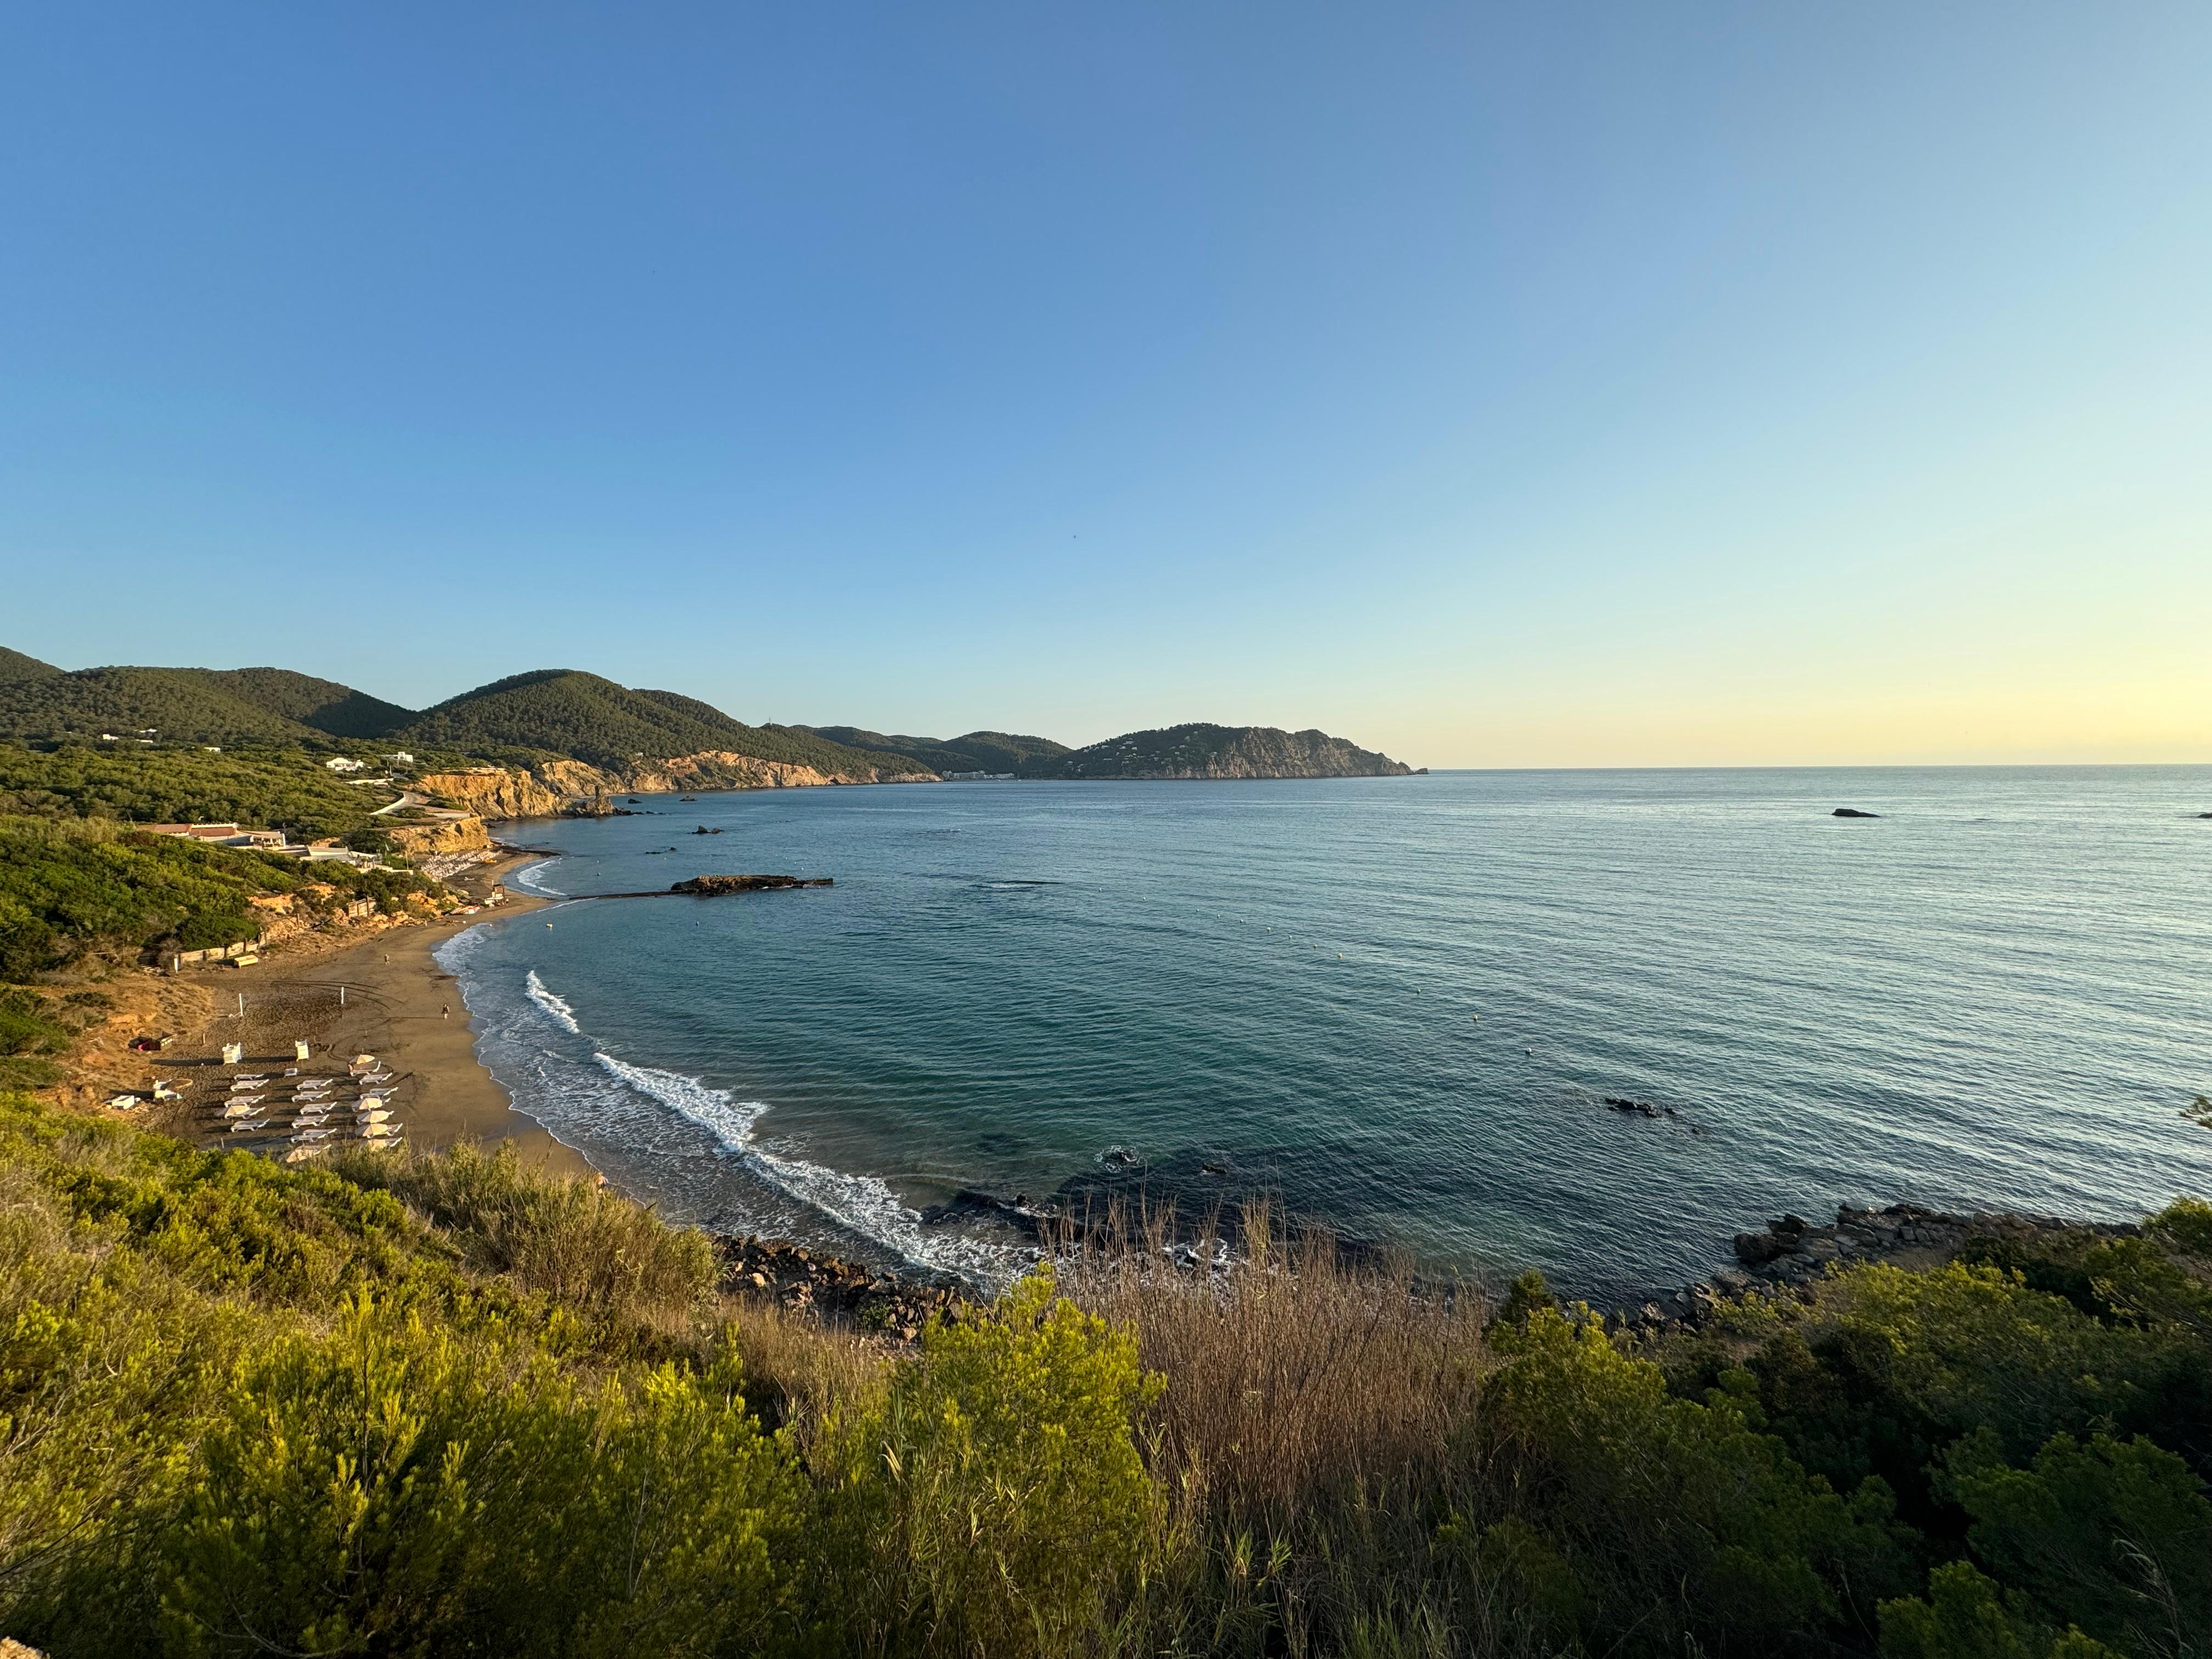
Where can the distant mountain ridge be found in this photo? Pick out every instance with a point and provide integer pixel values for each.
(561, 713)
(184, 705)
(627, 736)
(974, 751)
(1203, 751)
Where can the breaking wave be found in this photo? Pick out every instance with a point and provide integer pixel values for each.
(864, 1204)
(555, 1005)
(527, 876)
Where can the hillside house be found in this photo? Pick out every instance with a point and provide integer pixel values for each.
(340, 763)
(220, 834)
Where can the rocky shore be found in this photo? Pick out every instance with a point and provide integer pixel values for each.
(1789, 1255)
(842, 1291)
(1783, 1260)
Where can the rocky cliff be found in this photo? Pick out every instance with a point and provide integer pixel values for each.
(553, 787)
(461, 834)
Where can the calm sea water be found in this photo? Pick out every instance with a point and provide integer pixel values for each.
(1399, 1003)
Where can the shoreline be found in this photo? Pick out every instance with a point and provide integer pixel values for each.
(399, 1004)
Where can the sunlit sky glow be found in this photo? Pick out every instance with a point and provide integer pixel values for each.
(1497, 386)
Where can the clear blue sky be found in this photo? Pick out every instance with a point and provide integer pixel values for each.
(1497, 384)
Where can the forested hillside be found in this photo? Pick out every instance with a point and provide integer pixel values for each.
(179, 705)
(260, 788)
(1200, 751)
(555, 713)
(565, 711)
(15, 666)
(974, 751)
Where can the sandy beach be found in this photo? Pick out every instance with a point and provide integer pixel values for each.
(385, 995)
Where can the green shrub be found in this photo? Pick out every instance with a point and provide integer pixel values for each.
(1670, 1521)
(397, 1489)
(2112, 1536)
(1965, 1618)
(1002, 1484)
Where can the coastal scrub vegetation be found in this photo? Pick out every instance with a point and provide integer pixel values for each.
(77, 889)
(260, 789)
(438, 1404)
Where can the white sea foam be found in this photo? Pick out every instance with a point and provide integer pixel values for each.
(555, 1005)
(527, 876)
(864, 1204)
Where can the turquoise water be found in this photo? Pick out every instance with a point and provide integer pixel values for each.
(1398, 1002)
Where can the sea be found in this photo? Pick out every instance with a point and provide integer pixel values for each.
(1404, 1009)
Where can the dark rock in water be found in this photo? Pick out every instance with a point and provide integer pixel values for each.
(971, 1203)
(1622, 1103)
(1757, 1250)
(712, 886)
(703, 831)
(1854, 812)
(2204, 815)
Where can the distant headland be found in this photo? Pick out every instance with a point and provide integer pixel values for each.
(557, 740)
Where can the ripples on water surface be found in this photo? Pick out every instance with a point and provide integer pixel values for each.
(1398, 1001)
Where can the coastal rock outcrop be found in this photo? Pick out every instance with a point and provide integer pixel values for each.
(549, 789)
(466, 834)
(1789, 1255)
(710, 886)
(847, 1292)
(1853, 813)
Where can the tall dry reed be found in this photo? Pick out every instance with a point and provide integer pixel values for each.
(1296, 1374)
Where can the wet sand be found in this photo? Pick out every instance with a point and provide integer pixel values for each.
(397, 1004)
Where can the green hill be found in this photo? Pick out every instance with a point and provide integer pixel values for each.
(796, 746)
(1203, 751)
(562, 711)
(42, 704)
(976, 751)
(179, 705)
(15, 666)
(322, 705)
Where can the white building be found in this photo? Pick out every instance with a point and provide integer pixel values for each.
(340, 763)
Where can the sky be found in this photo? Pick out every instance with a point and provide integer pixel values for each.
(1497, 386)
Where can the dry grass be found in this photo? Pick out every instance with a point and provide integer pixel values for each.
(811, 1376)
(1297, 1376)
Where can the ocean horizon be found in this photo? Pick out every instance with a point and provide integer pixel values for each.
(1411, 1009)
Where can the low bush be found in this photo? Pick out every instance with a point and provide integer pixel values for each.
(446, 1404)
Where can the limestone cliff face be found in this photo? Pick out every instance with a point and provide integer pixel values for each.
(465, 835)
(495, 792)
(551, 788)
(720, 769)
